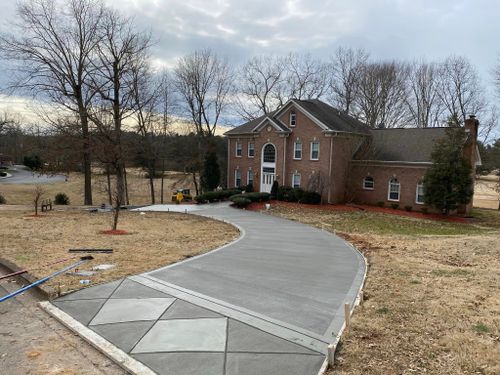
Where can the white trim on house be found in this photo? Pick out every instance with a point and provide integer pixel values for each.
(293, 118)
(296, 175)
(304, 111)
(267, 178)
(389, 190)
(372, 182)
(295, 149)
(238, 146)
(253, 148)
(271, 121)
(311, 150)
(248, 176)
(236, 173)
(420, 184)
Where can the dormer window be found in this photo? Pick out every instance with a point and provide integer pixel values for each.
(293, 119)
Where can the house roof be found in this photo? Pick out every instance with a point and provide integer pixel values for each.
(332, 118)
(401, 144)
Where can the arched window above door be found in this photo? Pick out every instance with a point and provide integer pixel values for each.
(269, 154)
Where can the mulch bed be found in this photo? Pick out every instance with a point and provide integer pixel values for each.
(361, 207)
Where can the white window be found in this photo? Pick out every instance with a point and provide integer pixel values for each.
(314, 150)
(237, 178)
(368, 183)
(251, 149)
(238, 149)
(419, 199)
(296, 180)
(394, 189)
(297, 150)
(293, 119)
(250, 177)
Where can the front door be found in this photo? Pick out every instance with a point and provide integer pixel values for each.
(268, 168)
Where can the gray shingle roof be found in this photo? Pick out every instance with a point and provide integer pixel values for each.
(331, 117)
(401, 144)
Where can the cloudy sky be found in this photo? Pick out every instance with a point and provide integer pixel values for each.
(388, 29)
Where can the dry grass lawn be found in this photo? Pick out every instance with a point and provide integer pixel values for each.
(155, 240)
(432, 302)
(485, 193)
(22, 194)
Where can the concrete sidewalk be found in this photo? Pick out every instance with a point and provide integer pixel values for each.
(269, 302)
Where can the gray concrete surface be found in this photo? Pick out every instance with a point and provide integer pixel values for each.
(268, 303)
(285, 270)
(19, 174)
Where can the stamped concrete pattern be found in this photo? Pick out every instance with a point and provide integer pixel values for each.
(269, 303)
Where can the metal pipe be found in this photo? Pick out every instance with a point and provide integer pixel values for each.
(20, 272)
(41, 281)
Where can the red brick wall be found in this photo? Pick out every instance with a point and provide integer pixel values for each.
(408, 177)
(306, 131)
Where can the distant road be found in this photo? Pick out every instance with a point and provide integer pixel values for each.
(22, 175)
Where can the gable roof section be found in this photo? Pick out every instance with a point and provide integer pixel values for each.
(327, 117)
(333, 118)
(402, 145)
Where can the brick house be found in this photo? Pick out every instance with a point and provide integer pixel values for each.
(311, 145)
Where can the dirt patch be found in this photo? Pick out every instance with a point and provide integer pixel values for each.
(153, 240)
(32, 342)
(432, 302)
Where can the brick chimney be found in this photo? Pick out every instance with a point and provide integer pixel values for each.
(471, 127)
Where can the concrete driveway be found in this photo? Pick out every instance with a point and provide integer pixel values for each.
(19, 174)
(268, 303)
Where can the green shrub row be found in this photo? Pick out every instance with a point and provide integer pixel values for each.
(240, 201)
(214, 196)
(2, 199)
(289, 194)
(253, 197)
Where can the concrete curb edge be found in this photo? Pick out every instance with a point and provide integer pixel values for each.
(118, 356)
(357, 302)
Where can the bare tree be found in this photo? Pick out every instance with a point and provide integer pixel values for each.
(204, 82)
(167, 106)
(54, 43)
(423, 99)
(260, 86)
(38, 193)
(459, 89)
(147, 93)
(382, 95)
(346, 68)
(7, 123)
(305, 76)
(122, 52)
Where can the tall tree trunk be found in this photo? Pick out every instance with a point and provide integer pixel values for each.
(162, 179)
(120, 192)
(195, 181)
(125, 186)
(151, 175)
(108, 178)
(87, 167)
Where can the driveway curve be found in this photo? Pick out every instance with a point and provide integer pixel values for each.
(287, 271)
(268, 303)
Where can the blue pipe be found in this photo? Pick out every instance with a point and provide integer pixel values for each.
(41, 281)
